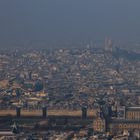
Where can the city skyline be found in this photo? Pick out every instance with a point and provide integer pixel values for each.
(69, 70)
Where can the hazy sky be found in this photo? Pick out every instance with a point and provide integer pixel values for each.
(32, 20)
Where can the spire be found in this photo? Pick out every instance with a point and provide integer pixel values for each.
(15, 128)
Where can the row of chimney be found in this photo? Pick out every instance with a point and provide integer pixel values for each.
(44, 112)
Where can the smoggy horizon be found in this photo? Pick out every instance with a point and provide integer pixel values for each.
(41, 22)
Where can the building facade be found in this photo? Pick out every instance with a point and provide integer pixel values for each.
(99, 124)
(127, 119)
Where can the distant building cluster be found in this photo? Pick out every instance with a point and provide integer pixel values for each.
(80, 79)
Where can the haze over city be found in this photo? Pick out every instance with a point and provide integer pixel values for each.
(69, 70)
(37, 23)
